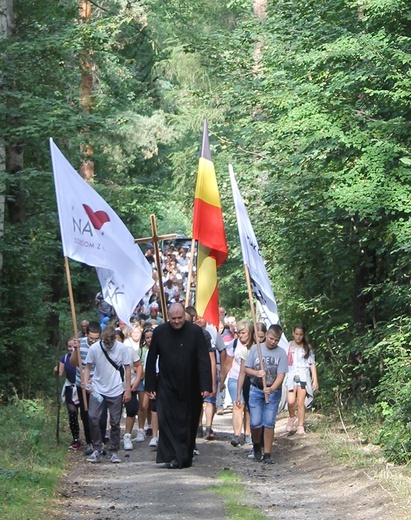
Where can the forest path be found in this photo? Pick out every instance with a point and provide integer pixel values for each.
(304, 483)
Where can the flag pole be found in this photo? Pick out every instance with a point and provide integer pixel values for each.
(250, 297)
(74, 319)
(208, 230)
(158, 262)
(190, 271)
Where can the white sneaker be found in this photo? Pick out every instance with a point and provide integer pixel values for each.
(153, 442)
(128, 445)
(141, 436)
(115, 458)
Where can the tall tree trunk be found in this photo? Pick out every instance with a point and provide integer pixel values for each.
(260, 11)
(6, 25)
(260, 8)
(12, 153)
(86, 91)
(15, 196)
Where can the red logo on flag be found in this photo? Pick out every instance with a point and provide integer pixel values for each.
(98, 218)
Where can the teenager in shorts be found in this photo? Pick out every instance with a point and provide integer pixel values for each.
(263, 414)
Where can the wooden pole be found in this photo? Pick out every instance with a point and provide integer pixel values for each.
(74, 319)
(159, 270)
(58, 393)
(250, 297)
(190, 271)
(155, 239)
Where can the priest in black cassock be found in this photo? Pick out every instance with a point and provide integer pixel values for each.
(184, 379)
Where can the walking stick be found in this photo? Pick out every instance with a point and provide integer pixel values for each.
(58, 394)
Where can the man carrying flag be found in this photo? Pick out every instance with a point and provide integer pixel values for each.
(208, 230)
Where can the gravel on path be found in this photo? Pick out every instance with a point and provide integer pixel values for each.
(304, 483)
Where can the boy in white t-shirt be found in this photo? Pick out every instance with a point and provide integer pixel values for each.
(110, 357)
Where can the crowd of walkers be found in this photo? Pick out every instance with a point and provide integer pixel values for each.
(173, 376)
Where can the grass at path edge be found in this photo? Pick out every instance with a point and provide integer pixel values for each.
(232, 491)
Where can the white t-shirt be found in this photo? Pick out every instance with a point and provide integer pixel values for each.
(134, 357)
(240, 352)
(107, 380)
(300, 365)
(216, 338)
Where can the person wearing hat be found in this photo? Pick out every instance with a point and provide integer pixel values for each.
(154, 309)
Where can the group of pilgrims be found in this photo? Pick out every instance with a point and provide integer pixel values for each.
(169, 378)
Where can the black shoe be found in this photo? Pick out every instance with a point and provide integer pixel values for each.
(171, 465)
(149, 432)
(267, 459)
(258, 453)
(209, 434)
(200, 431)
(235, 441)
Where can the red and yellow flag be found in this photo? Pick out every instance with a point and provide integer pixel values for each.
(208, 230)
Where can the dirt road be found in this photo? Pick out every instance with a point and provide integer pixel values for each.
(303, 484)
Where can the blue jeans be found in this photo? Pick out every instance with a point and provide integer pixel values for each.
(262, 413)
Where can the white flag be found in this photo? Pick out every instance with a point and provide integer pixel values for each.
(92, 233)
(260, 282)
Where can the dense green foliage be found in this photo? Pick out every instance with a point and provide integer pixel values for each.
(310, 104)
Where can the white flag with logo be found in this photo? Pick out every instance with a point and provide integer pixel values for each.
(260, 282)
(92, 233)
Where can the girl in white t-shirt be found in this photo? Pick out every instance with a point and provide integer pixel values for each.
(133, 340)
(237, 352)
(301, 372)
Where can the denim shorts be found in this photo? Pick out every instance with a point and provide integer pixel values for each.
(212, 400)
(262, 413)
(232, 389)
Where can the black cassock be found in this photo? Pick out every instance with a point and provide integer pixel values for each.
(184, 372)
